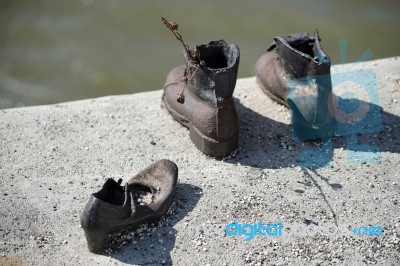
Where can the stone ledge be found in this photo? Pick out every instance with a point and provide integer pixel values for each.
(53, 157)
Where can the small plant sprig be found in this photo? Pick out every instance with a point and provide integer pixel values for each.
(192, 54)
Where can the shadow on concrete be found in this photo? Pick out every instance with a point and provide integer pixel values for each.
(154, 248)
(266, 143)
(334, 186)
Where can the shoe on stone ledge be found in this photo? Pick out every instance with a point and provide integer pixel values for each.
(295, 72)
(145, 198)
(207, 109)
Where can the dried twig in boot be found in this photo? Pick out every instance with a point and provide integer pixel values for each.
(193, 55)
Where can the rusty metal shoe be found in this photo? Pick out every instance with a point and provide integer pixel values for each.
(145, 198)
(208, 109)
(295, 72)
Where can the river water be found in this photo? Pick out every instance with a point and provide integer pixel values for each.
(55, 51)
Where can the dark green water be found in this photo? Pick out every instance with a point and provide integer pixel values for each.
(54, 51)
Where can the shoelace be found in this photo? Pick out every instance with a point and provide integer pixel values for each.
(130, 193)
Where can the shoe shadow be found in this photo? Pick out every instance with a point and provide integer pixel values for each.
(313, 181)
(266, 143)
(152, 244)
(263, 142)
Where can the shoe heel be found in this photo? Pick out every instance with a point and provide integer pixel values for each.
(96, 241)
(210, 146)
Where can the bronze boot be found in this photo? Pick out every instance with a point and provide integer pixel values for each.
(206, 105)
(295, 72)
(145, 198)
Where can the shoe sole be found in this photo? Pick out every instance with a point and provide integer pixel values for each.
(270, 95)
(99, 242)
(205, 144)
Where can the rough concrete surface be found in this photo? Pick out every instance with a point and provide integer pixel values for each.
(53, 157)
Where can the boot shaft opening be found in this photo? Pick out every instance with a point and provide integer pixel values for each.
(301, 55)
(216, 80)
(215, 54)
